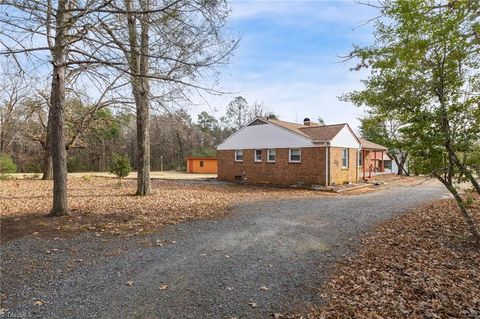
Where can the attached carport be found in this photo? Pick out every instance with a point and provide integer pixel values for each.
(372, 159)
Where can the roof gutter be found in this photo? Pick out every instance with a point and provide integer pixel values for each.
(320, 142)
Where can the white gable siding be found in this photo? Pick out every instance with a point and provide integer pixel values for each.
(345, 138)
(264, 136)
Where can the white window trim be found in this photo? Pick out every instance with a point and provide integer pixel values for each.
(237, 160)
(255, 156)
(360, 156)
(268, 155)
(348, 157)
(290, 155)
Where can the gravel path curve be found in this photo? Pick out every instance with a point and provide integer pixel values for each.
(266, 257)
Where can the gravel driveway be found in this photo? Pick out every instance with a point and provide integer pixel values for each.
(266, 257)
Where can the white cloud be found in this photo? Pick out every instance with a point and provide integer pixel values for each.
(295, 81)
(294, 100)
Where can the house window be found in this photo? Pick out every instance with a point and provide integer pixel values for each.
(360, 158)
(294, 155)
(272, 155)
(258, 156)
(238, 155)
(201, 163)
(345, 158)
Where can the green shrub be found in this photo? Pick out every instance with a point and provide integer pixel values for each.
(120, 166)
(7, 166)
(204, 152)
(75, 164)
(33, 168)
(87, 178)
(175, 166)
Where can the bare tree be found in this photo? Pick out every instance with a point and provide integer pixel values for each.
(37, 33)
(168, 44)
(14, 90)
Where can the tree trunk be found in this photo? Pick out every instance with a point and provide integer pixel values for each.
(468, 219)
(403, 161)
(2, 133)
(138, 62)
(448, 143)
(143, 145)
(103, 161)
(47, 168)
(464, 170)
(57, 117)
(399, 166)
(466, 216)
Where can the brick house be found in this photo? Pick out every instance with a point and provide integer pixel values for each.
(270, 151)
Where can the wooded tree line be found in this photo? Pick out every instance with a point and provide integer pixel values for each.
(95, 134)
(423, 92)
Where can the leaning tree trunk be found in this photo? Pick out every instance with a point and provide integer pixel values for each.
(469, 220)
(464, 170)
(57, 117)
(403, 163)
(399, 164)
(461, 205)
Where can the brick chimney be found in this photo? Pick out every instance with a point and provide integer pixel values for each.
(306, 121)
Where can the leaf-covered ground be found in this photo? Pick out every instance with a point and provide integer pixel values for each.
(100, 205)
(420, 265)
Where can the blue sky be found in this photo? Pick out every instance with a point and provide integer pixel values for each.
(288, 57)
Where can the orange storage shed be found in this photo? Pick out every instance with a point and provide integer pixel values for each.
(202, 165)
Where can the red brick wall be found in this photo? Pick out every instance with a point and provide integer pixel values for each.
(310, 171)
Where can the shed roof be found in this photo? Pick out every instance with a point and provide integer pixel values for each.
(201, 158)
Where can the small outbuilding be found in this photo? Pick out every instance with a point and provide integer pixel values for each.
(202, 165)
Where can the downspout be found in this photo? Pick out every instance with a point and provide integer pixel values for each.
(382, 164)
(327, 164)
(363, 164)
(356, 166)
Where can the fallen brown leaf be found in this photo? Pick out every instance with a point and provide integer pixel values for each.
(252, 304)
(101, 207)
(423, 264)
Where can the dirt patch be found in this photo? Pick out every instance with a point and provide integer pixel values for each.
(101, 206)
(399, 179)
(420, 265)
